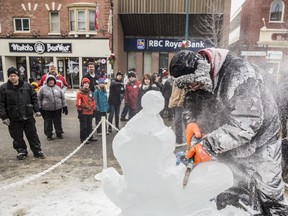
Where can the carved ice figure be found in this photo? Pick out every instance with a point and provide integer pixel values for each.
(151, 184)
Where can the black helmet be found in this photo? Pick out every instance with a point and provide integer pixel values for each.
(184, 62)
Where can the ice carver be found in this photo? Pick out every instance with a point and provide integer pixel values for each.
(227, 101)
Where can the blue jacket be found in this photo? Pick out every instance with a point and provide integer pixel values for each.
(100, 96)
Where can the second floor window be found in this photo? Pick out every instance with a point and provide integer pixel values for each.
(81, 20)
(276, 11)
(54, 22)
(21, 24)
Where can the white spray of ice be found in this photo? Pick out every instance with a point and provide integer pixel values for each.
(151, 184)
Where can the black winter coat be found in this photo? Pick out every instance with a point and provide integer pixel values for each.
(17, 103)
(116, 93)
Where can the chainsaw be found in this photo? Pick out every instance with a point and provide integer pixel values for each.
(190, 164)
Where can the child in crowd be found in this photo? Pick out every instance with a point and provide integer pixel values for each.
(115, 99)
(101, 99)
(85, 104)
(34, 84)
(131, 94)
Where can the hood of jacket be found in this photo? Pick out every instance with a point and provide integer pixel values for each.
(49, 77)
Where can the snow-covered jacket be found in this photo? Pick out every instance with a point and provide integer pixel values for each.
(240, 119)
(131, 94)
(101, 99)
(51, 98)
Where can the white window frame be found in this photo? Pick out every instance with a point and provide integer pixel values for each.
(283, 11)
(76, 24)
(21, 18)
(50, 21)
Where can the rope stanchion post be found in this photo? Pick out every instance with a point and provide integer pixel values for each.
(104, 142)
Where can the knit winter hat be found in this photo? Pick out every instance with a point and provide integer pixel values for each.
(102, 81)
(13, 70)
(84, 80)
(184, 62)
(50, 77)
(119, 73)
(165, 73)
(189, 67)
(131, 74)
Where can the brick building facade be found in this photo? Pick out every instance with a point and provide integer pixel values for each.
(263, 35)
(36, 32)
(148, 33)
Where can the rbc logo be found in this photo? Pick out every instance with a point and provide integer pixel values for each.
(141, 44)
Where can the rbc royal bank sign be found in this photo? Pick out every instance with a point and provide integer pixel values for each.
(40, 47)
(163, 45)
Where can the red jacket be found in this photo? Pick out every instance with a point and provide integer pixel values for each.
(85, 102)
(60, 81)
(131, 94)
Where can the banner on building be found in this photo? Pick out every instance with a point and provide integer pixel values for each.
(163, 45)
(40, 47)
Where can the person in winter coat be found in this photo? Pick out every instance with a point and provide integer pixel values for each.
(157, 80)
(52, 101)
(85, 105)
(131, 94)
(18, 102)
(92, 76)
(166, 92)
(115, 98)
(60, 80)
(228, 102)
(102, 105)
(34, 84)
(145, 86)
(176, 101)
(125, 109)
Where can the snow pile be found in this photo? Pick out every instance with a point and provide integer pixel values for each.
(151, 184)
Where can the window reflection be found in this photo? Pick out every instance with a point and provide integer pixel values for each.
(276, 10)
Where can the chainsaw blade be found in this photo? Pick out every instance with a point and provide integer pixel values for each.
(187, 174)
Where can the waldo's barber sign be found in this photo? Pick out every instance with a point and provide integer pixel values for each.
(40, 47)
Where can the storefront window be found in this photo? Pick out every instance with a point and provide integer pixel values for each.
(22, 67)
(100, 66)
(163, 60)
(131, 60)
(1, 71)
(147, 62)
(72, 71)
(39, 66)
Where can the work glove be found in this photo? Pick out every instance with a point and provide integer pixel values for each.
(192, 129)
(65, 110)
(198, 153)
(6, 122)
(79, 113)
(38, 114)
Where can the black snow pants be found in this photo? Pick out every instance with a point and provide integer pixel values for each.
(52, 118)
(16, 129)
(85, 126)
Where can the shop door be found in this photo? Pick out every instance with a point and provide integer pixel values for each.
(22, 67)
(72, 72)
